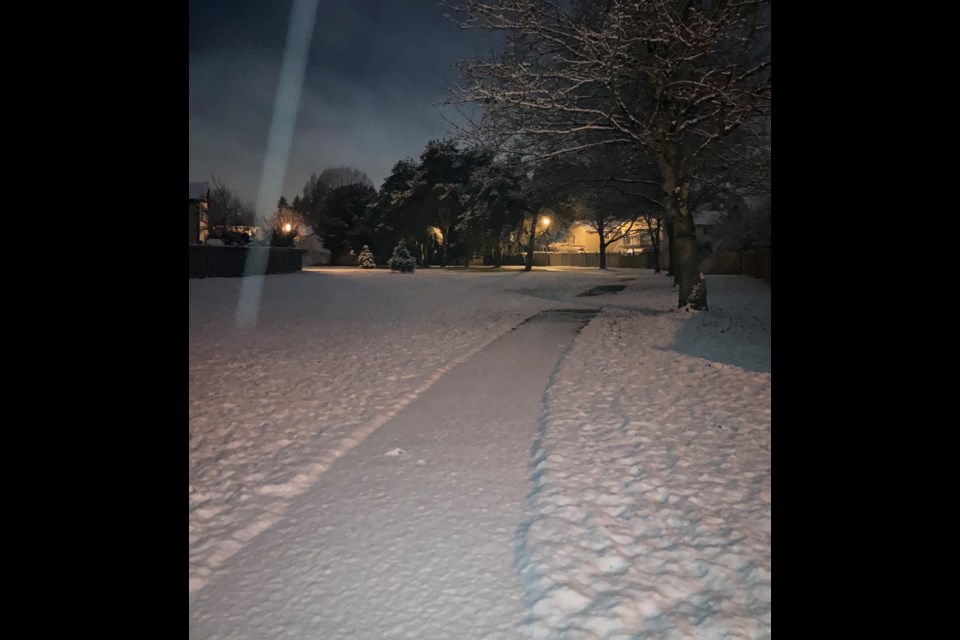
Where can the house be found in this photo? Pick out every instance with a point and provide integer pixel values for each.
(582, 238)
(199, 199)
(315, 252)
(704, 222)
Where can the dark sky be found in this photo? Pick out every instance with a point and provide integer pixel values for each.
(374, 70)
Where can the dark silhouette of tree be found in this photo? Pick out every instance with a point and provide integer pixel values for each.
(494, 205)
(401, 216)
(346, 217)
(436, 191)
(343, 176)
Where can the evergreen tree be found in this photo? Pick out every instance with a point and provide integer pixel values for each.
(401, 260)
(366, 259)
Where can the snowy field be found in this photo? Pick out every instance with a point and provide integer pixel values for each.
(649, 511)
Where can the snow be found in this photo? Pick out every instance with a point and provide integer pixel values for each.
(646, 470)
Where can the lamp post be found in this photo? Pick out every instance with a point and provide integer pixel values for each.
(544, 222)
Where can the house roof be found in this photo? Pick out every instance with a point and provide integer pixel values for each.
(198, 190)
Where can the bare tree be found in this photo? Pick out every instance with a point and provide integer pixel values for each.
(282, 226)
(226, 209)
(652, 219)
(672, 77)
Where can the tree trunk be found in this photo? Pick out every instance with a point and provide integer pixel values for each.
(671, 260)
(603, 252)
(528, 262)
(655, 241)
(498, 255)
(685, 261)
(674, 259)
(443, 249)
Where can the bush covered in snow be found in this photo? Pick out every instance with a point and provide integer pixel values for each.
(366, 259)
(401, 260)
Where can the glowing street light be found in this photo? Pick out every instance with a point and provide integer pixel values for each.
(544, 223)
(287, 227)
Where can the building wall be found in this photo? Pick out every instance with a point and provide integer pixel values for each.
(197, 222)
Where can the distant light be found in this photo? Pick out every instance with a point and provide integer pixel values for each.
(545, 221)
(287, 227)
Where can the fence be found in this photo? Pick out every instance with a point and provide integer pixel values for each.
(230, 262)
(614, 260)
(558, 259)
(753, 263)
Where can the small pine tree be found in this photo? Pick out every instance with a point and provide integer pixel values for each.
(366, 259)
(401, 260)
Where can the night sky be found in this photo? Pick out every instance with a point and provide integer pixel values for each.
(373, 72)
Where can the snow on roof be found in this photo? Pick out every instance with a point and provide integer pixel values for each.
(198, 190)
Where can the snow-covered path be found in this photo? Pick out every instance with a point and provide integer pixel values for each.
(422, 546)
(335, 354)
(647, 511)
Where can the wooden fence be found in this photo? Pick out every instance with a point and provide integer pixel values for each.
(752, 263)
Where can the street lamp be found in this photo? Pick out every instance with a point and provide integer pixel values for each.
(544, 222)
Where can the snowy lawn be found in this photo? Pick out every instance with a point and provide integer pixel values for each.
(335, 354)
(649, 510)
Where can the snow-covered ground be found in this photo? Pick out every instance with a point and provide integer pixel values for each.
(650, 487)
(650, 512)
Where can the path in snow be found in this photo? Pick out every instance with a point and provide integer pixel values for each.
(334, 356)
(424, 548)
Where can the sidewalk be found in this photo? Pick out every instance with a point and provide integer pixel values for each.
(412, 533)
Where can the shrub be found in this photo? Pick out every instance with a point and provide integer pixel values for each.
(366, 259)
(401, 260)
